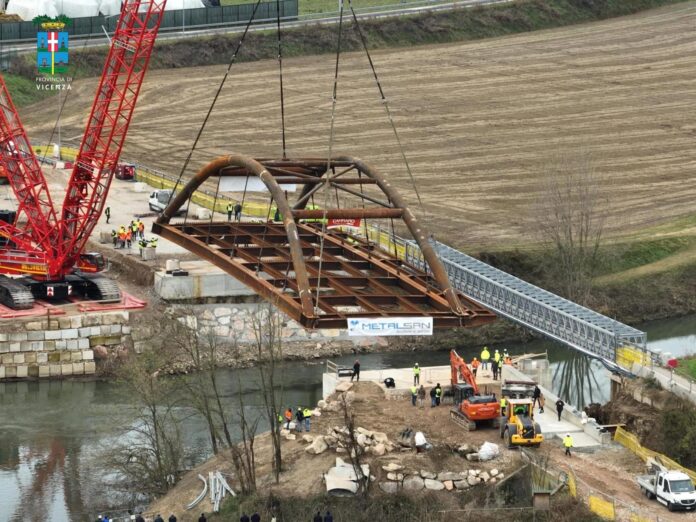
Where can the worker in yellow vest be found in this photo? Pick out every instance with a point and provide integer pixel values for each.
(485, 357)
(568, 443)
(416, 374)
(496, 357)
(306, 413)
(503, 405)
(414, 394)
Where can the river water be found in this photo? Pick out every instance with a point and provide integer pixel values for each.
(52, 433)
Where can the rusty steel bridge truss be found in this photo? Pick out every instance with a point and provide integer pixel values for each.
(321, 276)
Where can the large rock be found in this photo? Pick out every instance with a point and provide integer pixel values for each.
(392, 466)
(473, 481)
(449, 485)
(378, 450)
(428, 474)
(365, 432)
(473, 457)
(448, 475)
(361, 439)
(321, 404)
(308, 438)
(465, 449)
(378, 437)
(484, 476)
(389, 487)
(331, 441)
(494, 472)
(461, 484)
(395, 476)
(290, 436)
(413, 483)
(317, 446)
(434, 485)
(344, 386)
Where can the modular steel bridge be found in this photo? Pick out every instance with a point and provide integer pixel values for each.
(322, 276)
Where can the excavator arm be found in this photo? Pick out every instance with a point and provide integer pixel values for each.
(460, 372)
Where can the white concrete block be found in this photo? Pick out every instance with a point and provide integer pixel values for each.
(53, 335)
(94, 330)
(115, 329)
(41, 357)
(88, 355)
(84, 331)
(71, 344)
(83, 344)
(35, 336)
(15, 347)
(71, 333)
(76, 321)
(61, 345)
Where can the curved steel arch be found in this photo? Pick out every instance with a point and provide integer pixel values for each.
(312, 173)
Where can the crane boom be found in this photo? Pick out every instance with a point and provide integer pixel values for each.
(107, 126)
(27, 181)
(460, 371)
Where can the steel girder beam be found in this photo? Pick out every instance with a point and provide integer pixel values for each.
(290, 263)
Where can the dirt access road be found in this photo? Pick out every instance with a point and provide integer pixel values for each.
(479, 120)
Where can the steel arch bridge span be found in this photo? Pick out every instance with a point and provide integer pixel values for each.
(292, 261)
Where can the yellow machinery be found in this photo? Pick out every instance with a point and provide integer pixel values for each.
(519, 428)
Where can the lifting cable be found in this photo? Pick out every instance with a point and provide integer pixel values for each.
(386, 105)
(280, 73)
(328, 161)
(233, 59)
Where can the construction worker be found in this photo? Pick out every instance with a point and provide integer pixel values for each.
(496, 357)
(129, 237)
(238, 211)
(503, 405)
(433, 400)
(474, 366)
(141, 229)
(414, 394)
(153, 242)
(356, 371)
(494, 369)
(107, 213)
(535, 395)
(416, 374)
(230, 208)
(568, 443)
(542, 401)
(114, 237)
(559, 408)
(485, 356)
(421, 396)
(438, 394)
(288, 418)
(306, 413)
(508, 360)
(299, 417)
(122, 236)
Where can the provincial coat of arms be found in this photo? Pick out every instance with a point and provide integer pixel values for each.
(52, 45)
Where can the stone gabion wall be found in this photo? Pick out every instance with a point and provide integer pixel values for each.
(59, 346)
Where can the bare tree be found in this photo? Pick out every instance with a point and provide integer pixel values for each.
(243, 456)
(570, 216)
(201, 349)
(355, 451)
(267, 326)
(149, 455)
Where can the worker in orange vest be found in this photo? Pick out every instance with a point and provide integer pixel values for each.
(474, 366)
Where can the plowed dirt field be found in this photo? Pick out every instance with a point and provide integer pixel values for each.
(479, 120)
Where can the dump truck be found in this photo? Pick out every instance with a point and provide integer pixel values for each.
(674, 489)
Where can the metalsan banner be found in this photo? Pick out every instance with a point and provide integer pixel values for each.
(391, 326)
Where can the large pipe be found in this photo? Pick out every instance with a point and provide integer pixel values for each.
(417, 231)
(349, 213)
(254, 167)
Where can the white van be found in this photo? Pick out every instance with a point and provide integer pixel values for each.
(159, 199)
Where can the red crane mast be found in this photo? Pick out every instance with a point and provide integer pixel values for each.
(38, 245)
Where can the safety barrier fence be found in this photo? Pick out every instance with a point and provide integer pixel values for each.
(631, 442)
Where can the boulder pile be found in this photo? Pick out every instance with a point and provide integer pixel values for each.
(399, 478)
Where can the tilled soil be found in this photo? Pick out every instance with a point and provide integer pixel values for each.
(479, 121)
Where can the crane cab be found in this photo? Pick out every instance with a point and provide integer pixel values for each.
(91, 262)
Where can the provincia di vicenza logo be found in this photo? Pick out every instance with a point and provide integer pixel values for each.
(52, 54)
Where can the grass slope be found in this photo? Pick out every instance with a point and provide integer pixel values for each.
(23, 90)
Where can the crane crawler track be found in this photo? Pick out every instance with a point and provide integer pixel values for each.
(15, 295)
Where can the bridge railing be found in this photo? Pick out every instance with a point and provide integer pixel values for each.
(533, 307)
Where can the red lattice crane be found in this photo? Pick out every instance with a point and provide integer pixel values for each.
(47, 250)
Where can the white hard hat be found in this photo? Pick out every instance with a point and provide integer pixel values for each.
(567, 434)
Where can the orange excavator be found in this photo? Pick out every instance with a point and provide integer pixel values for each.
(471, 408)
